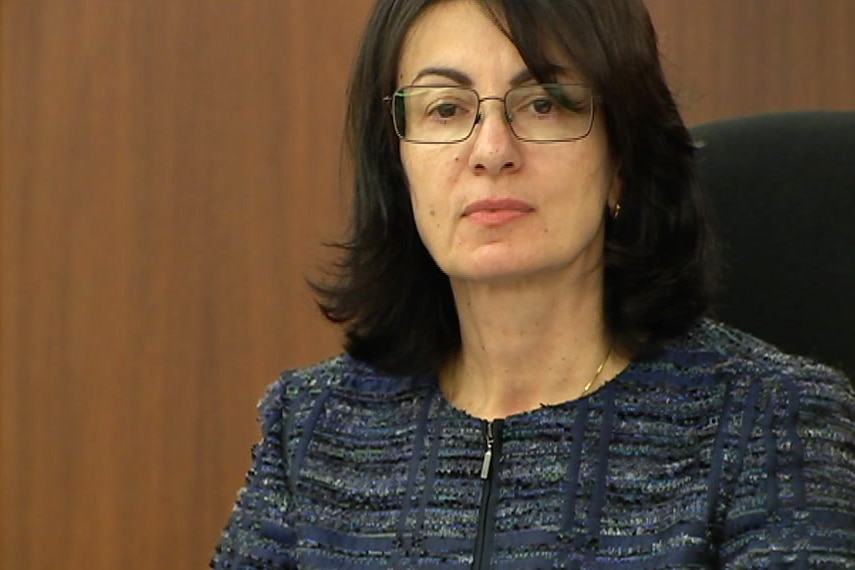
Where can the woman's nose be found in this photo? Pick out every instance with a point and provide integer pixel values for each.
(495, 148)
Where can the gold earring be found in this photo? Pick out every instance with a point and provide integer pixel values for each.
(616, 211)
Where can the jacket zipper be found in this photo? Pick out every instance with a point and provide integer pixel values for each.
(488, 454)
(487, 515)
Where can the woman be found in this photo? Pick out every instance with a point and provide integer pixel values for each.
(529, 380)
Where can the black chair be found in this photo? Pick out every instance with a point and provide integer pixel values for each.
(782, 190)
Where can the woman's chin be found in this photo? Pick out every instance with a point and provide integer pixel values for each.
(502, 271)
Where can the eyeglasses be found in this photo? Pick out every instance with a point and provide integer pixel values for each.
(548, 112)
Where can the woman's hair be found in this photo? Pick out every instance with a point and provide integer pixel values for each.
(395, 302)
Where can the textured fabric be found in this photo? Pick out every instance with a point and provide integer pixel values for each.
(719, 452)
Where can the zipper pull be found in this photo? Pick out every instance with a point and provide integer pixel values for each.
(488, 454)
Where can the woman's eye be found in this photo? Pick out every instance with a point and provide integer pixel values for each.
(444, 110)
(542, 106)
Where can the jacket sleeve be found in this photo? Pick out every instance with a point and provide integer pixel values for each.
(256, 536)
(792, 503)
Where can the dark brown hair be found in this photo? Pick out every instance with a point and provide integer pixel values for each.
(395, 302)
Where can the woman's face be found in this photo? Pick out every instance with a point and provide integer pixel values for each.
(493, 207)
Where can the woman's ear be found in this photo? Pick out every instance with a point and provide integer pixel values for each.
(615, 194)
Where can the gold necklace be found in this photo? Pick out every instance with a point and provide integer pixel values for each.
(597, 373)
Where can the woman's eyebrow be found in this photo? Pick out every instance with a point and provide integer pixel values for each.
(523, 76)
(447, 72)
(550, 69)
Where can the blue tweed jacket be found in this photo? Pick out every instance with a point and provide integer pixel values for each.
(719, 452)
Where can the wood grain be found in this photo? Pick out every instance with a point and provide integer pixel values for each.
(168, 171)
(728, 58)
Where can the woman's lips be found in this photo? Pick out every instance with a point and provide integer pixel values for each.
(496, 212)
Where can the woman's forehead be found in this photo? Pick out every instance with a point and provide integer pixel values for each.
(462, 35)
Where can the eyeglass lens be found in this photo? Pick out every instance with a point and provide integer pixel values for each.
(546, 112)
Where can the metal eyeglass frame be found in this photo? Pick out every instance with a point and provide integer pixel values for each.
(479, 116)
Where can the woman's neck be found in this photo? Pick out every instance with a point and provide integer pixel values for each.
(524, 346)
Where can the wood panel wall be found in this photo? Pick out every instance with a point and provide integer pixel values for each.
(727, 58)
(168, 170)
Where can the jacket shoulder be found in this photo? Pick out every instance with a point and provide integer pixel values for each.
(340, 375)
(738, 355)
